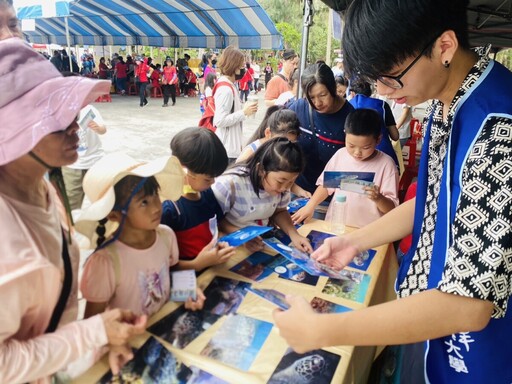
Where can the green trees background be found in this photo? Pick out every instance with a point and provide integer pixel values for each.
(288, 18)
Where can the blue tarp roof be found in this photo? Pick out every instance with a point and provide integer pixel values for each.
(162, 23)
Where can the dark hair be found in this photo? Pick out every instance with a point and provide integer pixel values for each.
(318, 74)
(284, 121)
(124, 188)
(364, 122)
(260, 132)
(210, 80)
(275, 155)
(340, 80)
(200, 150)
(294, 77)
(289, 54)
(359, 86)
(421, 22)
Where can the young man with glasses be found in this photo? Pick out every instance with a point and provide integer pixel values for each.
(455, 283)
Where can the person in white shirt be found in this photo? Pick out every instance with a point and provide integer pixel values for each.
(256, 76)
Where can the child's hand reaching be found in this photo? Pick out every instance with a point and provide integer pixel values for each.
(118, 356)
(255, 245)
(301, 243)
(198, 303)
(373, 192)
(213, 254)
(304, 214)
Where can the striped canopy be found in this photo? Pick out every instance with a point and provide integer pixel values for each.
(162, 23)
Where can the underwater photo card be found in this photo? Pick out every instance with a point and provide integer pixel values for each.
(349, 181)
(243, 235)
(271, 295)
(258, 265)
(151, 363)
(224, 296)
(323, 306)
(238, 341)
(182, 326)
(315, 367)
(361, 261)
(353, 286)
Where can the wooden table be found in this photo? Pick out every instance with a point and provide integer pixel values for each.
(355, 363)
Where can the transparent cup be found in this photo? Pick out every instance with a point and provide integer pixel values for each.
(253, 99)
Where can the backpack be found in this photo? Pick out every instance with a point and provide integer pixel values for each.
(206, 120)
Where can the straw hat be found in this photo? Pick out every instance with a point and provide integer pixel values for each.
(99, 184)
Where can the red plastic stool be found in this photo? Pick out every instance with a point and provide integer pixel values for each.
(156, 92)
(104, 99)
(133, 90)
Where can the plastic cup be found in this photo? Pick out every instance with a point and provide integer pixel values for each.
(253, 99)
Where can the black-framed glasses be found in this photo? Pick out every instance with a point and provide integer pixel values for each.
(394, 81)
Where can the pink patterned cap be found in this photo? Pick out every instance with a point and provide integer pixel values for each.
(36, 99)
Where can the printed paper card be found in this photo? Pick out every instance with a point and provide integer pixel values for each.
(153, 363)
(88, 117)
(349, 181)
(243, 235)
(297, 204)
(238, 341)
(182, 326)
(292, 272)
(301, 259)
(361, 261)
(183, 285)
(315, 367)
(323, 306)
(224, 296)
(259, 265)
(275, 297)
(353, 286)
(214, 228)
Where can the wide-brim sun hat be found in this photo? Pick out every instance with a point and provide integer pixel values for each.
(36, 99)
(99, 181)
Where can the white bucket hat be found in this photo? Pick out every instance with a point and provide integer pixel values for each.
(99, 184)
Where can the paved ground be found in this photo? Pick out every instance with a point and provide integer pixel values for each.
(145, 133)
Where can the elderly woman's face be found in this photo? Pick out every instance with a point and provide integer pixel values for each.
(8, 23)
(321, 98)
(59, 148)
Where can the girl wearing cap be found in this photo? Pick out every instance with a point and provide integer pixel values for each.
(39, 265)
(130, 267)
(258, 191)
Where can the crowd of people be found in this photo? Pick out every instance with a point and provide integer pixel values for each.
(145, 218)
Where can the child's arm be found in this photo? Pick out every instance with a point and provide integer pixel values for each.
(282, 219)
(306, 212)
(198, 304)
(384, 204)
(211, 254)
(299, 191)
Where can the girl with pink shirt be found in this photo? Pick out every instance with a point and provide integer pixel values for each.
(39, 334)
(130, 267)
(362, 134)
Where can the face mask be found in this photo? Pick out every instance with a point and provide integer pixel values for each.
(214, 62)
(242, 73)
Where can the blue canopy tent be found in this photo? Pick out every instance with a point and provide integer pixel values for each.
(162, 23)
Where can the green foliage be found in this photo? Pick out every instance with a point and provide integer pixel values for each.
(291, 37)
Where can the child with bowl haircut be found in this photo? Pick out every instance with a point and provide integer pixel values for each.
(362, 135)
(196, 212)
(130, 267)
